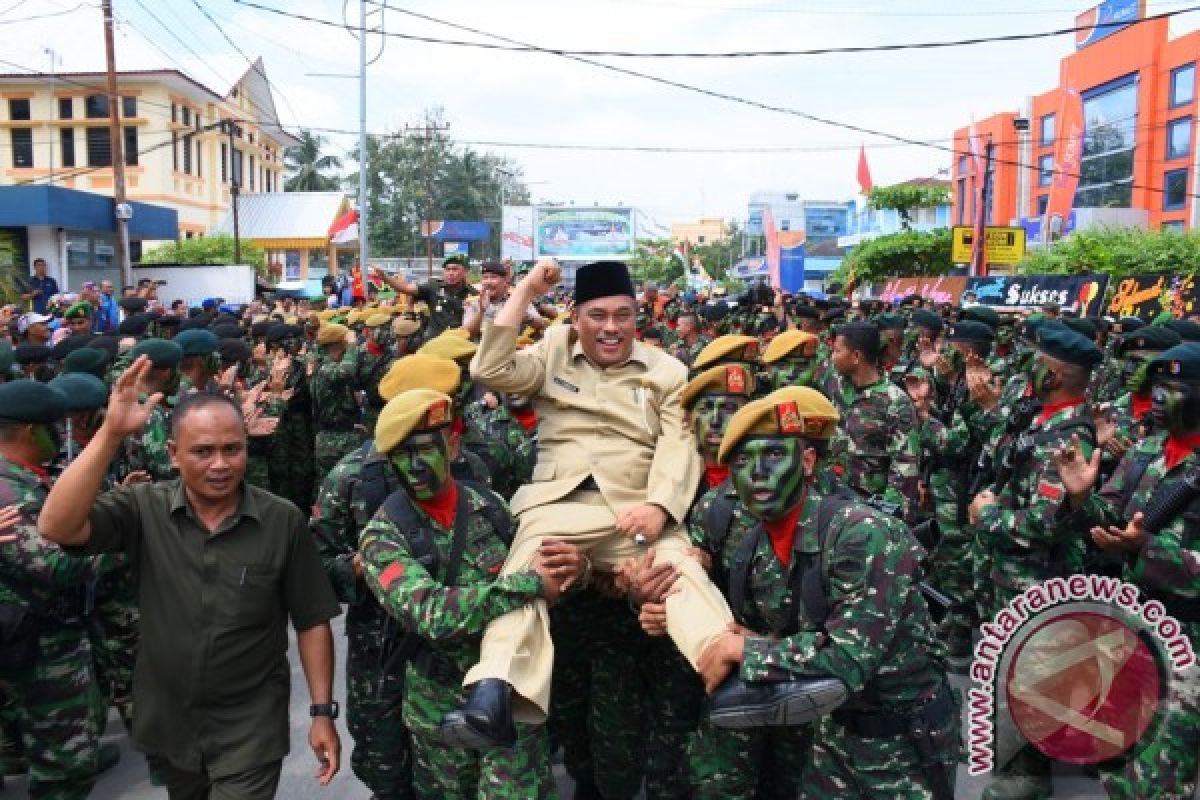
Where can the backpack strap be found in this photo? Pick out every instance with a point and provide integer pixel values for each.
(400, 511)
(494, 510)
(739, 573)
(462, 521)
(1141, 462)
(808, 580)
(719, 516)
(373, 481)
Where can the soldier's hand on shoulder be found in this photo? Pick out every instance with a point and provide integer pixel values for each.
(10, 517)
(653, 619)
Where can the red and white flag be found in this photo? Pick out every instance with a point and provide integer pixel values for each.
(865, 184)
(345, 228)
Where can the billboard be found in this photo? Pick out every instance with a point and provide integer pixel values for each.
(583, 234)
(455, 249)
(1004, 245)
(441, 230)
(944, 289)
(1147, 296)
(1081, 293)
(1106, 19)
(516, 233)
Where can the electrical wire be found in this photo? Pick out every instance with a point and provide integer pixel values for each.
(48, 15)
(840, 12)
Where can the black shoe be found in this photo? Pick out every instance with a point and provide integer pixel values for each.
(107, 757)
(736, 704)
(485, 720)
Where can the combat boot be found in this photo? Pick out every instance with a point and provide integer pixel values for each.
(737, 704)
(485, 720)
(107, 757)
(1019, 787)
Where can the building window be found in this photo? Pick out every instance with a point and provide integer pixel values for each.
(1183, 85)
(1045, 170)
(131, 146)
(187, 154)
(1046, 131)
(1175, 226)
(67, 139)
(1043, 202)
(224, 162)
(251, 173)
(96, 106)
(22, 147)
(99, 148)
(175, 152)
(1110, 127)
(128, 107)
(962, 165)
(237, 167)
(1175, 189)
(1179, 137)
(18, 108)
(187, 115)
(199, 158)
(960, 200)
(66, 108)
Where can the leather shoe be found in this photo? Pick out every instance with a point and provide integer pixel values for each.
(485, 720)
(737, 704)
(107, 757)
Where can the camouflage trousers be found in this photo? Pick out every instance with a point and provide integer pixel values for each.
(290, 464)
(329, 447)
(441, 772)
(950, 567)
(59, 712)
(596, 710)
(381, 756)
(763, 764)
(674, 700)
(842, 764)
(114, 637)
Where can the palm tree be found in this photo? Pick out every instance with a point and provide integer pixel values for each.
(307, 166)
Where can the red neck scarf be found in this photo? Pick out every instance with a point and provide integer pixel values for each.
(782, 531)
(1050, 410)
(715, 474)
(442, 506)
(1140, 404)
(526, 416)
(458, 426)
(374, 347)
(36, 469)
(1180, 447)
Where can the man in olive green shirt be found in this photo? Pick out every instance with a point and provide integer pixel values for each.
(220, 566)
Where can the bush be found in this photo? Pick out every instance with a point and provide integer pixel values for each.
(899, 255)
(1117, 251)
(210, 250)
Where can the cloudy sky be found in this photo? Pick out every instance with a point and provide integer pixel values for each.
(511, 98)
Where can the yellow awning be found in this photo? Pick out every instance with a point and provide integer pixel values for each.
(290, 244)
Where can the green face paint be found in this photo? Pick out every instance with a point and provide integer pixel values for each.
(768, 474)
(48, 442)
(1135, 373)
(1175, 407)
(212, 363)
(710, 418)
(793, 372)
(1043, 379)
(423, 462)
(954, 358)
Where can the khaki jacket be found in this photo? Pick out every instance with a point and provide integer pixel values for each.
(624, 426)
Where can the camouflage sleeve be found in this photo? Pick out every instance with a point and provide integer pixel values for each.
(1031, 525)
(904, 452)
(870, 575)
(39, 563)
(694, 521)
(332, 527)
(1100, 508)
(426, 607)
(1169, 561)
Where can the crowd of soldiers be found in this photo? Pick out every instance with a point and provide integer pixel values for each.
(878, 480)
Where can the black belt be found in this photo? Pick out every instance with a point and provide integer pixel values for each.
(883, 724)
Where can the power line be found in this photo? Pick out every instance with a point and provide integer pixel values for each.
(529, 48)
(47, 15)
(863, 12)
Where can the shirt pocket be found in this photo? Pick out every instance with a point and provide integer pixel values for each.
(250, 594)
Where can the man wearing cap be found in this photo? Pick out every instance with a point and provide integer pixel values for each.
(332, 384)
(374, 359)
(790, 359)
(1132, 355)
(446, 297)
(1161, 555)
(732, 348)
(46, 673)
(1015, 518)
(32, 328)
(868, 633)
(78, 318)
(291, 458)
(200, 364)
(493, 291)
(433, 556)
(616, 472)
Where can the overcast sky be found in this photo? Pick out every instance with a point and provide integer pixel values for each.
(537, 98)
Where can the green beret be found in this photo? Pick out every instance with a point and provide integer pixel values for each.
(988, 316)
(6, 357)
(233, 351)
(1189, 331)
(197, 342)
(134, 325)
(925, 318)
(890, 322)
(969, 331)
(1129, 324)
(31, 354)
(1058, 341)
(161, 352)
(1181, 363)
(81, 310)
(227, 330)
(1151, 337)
(30, 401)
(1081, 325)
(81, 391)
(90, 360)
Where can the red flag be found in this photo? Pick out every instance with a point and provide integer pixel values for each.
(356, 283)
(1068, 153)
(864, 172)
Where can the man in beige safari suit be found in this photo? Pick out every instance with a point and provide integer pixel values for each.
(616, 472)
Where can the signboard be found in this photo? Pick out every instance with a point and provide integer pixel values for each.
(583, 234)
(1004, 245)
(455, 249)
(516, 233)
(1147, 296)
(752, 267)
(945, 289)
(1106, 19)
(1033, 227)
(442, 230)
(1074, 293)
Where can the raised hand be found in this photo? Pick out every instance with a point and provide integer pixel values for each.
(127, 414)
(1129, 540)
(1078, 474)
(544, 276)
(10, 516)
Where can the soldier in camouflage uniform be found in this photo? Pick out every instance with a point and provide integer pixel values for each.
(1161, 556)
(46, 667)
(148, 452)
(689, 341)
(445, 297)
(200, 364)
(876, 446)
(1015, 518)
(337, 415)
(290, 461)
(374, 359)
(1133, 353)
(443, 595)
(790, 359)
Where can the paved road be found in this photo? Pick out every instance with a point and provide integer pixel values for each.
(127, 781)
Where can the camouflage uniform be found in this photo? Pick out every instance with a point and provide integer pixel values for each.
(1167, 568)
(290, 462)
(371, 367)
(877, 445)
(381, 757)
(450, 621)
(337, 417)
(502, 444)
(445, 306)
(687, 352)
(47, 673)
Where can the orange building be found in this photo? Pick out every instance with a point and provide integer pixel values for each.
(1137, 88)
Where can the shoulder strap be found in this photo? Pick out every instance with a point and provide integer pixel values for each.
(373, 483)
(494, 511)
(399, 510)
(808, 580)
(719, 516)
(462, 520)
(1141, 462)
(739, 572)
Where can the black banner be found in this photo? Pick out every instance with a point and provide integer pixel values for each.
(1147, 296)
(1081, 293)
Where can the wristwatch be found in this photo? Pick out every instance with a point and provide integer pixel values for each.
(324, 710)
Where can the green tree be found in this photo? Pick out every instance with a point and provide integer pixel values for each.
(1117, 251)
(904, 198)
(718, 256)
(903, 254)
(653, 260)
(307, 165)
(211, 250)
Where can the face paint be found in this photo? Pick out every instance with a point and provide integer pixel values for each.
(793, 372)
(423, 462)
(954, 358)
(380, 335)
(171, 387)
(48, 441)
(1043, 379)
(1175, 407)
(710, 418)
(1135, 372)
(212, 363)
(768, 474)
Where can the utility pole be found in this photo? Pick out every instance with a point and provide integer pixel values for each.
(426, 225)
(363, 250)
(121, 209)
(230, 128)
(979, 254)
(53, 54)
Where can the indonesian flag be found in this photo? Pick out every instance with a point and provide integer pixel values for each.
(865, 184)
(345, 228)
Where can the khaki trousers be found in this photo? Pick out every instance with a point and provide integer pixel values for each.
(517, 647)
